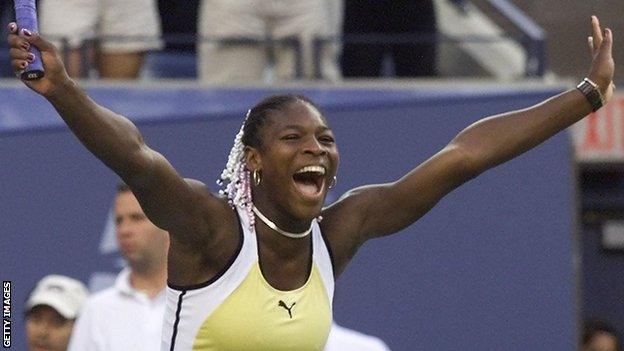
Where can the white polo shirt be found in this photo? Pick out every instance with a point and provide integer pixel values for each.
(119, 318)
(343, 339)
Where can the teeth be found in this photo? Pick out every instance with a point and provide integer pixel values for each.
(315, 169)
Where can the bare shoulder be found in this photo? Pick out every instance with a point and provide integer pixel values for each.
(215, 238)
(348, 213)
(342, 224)
(198, 187)
(213, 210)
(196, 184)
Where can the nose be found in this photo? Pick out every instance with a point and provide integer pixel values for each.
(41, 329)
(123, 229)
(313, 146)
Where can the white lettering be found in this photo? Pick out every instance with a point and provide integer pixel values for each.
(6, 342)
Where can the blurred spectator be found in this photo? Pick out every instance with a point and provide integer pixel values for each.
(179, 24)
(129, 315)
(6, 15)
(389, 17)
(178, 59)
(51, 310)
(113, 34)
(599, 335)
(223, 61)
(343, 339)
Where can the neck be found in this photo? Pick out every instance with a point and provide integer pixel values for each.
(282, 217)
(149, 281)
(276, 228)
(279, 246)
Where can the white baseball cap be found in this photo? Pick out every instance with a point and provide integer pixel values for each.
(64, 294)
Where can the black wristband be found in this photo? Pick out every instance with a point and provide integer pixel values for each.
(592, 93)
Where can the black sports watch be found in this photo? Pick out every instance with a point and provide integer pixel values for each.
(592, 93)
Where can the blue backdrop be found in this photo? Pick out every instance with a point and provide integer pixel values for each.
(490, 268)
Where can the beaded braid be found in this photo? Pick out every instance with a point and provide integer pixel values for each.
(235, 174)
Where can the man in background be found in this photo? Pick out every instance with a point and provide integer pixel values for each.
(51, 310)
(229, 54)
(128, 315)
(112, 35)
(599, 335)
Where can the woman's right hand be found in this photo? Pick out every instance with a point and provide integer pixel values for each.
(55, 74)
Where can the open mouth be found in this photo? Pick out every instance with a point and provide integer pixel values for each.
(309, 180)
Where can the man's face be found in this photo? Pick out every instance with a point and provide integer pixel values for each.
(47, 330)
(602, 342)
(141, 243)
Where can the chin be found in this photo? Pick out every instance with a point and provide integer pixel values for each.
(307, 210)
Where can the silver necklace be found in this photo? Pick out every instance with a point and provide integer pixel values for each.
(277, 229)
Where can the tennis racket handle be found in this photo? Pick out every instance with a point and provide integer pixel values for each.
(26, 18)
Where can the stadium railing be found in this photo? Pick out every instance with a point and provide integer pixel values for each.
(183, 64)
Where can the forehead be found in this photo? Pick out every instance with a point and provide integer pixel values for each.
(45, 311)
(126, 201)
(301, 114)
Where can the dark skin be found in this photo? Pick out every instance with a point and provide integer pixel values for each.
(204, 229)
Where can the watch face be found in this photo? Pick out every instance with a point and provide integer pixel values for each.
(587, 88)
(592, 94)
(591, 82)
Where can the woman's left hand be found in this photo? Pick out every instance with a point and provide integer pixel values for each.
(602, 67)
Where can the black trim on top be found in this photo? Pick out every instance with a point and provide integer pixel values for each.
(222, 272)
(177, 321)
(329, 251)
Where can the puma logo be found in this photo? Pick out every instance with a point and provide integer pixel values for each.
(283, 304)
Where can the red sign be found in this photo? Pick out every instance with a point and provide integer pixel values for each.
(600, 136)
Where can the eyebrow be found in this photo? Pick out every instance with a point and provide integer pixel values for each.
(322, 128)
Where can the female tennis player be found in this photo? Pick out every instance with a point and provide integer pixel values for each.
(253, 268)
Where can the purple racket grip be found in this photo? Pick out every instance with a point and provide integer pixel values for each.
(26, 18)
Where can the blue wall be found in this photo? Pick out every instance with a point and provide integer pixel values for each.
(490, 268)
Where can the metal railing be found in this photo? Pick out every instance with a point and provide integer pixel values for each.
(532, 39)
(268, 43)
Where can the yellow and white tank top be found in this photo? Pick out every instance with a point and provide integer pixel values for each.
(238, 310)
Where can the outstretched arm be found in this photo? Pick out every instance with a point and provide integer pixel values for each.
(483, 145)
(170, 202)
(497, 139)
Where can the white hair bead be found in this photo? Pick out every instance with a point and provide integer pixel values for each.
(234, 178)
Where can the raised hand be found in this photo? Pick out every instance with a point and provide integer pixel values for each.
(55, 74)
(602, 67)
